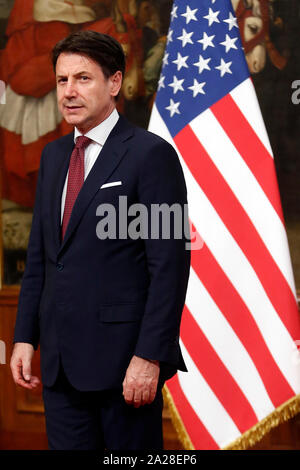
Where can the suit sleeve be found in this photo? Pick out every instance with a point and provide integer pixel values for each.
(162, 184)
(27, 321)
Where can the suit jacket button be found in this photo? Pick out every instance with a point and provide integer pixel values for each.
(59, 266)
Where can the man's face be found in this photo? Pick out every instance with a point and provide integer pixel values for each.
(85, 96)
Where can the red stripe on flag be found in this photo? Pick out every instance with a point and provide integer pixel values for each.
(240, 226)
(249, 147)
(197, 432)
(216, 374)
(232, 306)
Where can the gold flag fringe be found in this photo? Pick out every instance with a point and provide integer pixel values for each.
(177, 422)
(283, 413)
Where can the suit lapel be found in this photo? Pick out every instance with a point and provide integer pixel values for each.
(111, 154)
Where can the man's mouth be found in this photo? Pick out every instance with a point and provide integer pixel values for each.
(72, 107)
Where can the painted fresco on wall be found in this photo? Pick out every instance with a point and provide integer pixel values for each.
(30, 118)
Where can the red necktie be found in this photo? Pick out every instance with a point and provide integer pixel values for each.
(75, 178)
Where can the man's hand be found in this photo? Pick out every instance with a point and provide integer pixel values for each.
(20, 365)
(140, 383)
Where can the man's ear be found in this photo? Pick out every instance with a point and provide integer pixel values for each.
(116, 83)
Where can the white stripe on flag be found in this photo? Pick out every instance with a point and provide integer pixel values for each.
(227, 345)
(205, 404)
(245, 98)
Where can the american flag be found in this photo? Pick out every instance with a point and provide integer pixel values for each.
(240, 326)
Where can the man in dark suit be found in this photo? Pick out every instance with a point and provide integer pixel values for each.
(105, 310)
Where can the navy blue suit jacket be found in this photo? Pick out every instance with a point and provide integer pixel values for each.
(95, 303)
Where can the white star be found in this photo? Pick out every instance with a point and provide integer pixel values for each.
(185, 38)
(224, 67)
(212, 17)
(169, 37)
(174, 12)
(189, 14)
(229, 43)
(165, 59)
(202, 64)
(173, 108)
(206, 41)
(161, 82)
(176, 84)
(232, 21)
(197, 88)
(180, 61)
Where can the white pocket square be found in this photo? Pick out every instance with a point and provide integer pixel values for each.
(114, 183)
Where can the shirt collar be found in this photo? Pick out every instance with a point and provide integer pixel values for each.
(100, 133)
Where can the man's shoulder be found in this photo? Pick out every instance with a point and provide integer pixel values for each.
(149, 148)
(60, 142)
(151, 143)
(139, 134)
(149, 139)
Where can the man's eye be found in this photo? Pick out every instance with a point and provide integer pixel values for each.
(84, 78)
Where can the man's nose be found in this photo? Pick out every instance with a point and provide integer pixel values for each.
(70, 90)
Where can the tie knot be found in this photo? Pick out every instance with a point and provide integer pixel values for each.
(82, 142)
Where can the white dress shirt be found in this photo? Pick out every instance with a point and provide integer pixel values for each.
(98, 136)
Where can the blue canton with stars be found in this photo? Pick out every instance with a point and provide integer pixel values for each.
(203, 60)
